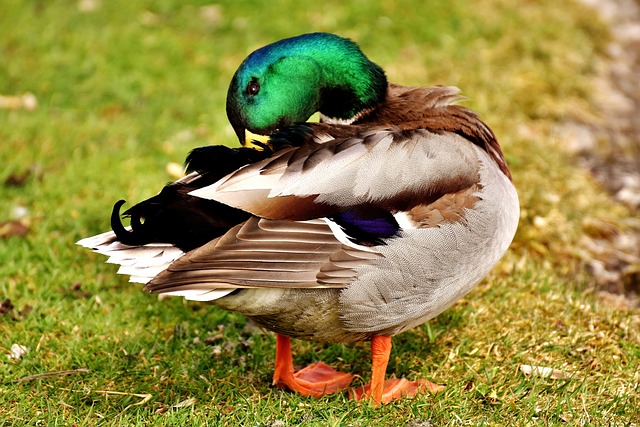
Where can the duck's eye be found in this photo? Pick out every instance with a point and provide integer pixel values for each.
(253, 88)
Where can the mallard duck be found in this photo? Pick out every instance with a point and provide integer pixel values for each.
(356, 228)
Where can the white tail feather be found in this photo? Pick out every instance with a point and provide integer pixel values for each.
(142, 263)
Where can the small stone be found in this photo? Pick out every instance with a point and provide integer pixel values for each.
(17, 352)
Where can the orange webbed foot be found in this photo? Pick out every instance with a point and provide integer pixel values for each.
(317, 379)
(395, 389)
(381, 391)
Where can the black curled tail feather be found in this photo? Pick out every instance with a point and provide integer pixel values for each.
(125, 236)
(174, 216)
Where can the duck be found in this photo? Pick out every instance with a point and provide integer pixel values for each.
(358, 227)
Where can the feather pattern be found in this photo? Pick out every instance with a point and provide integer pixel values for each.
(354, 171)
(265, 253)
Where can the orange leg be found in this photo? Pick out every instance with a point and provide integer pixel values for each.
(381, 391)
(315, 380)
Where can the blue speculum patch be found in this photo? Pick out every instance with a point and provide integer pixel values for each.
(370, 225)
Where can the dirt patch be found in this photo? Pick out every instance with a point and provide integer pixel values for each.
(609, 148)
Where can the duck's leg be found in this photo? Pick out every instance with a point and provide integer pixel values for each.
(381, 391)
(317, 379)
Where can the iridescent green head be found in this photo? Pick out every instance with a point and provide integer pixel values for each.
(287, 81)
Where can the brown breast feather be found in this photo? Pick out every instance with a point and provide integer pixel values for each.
(433, 108)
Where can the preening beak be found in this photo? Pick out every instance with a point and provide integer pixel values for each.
(254, 140)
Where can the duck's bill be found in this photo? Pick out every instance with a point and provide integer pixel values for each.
(254, 140)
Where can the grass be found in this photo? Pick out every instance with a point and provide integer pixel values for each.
(124, 87)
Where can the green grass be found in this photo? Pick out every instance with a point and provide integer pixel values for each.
(133, 85)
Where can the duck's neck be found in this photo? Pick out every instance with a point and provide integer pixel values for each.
(349, 82)
(350, 87)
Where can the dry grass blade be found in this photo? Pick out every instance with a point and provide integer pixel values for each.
(52, 374)
(145, 397)
(187, 402)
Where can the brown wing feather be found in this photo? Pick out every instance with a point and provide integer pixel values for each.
(266, 253)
